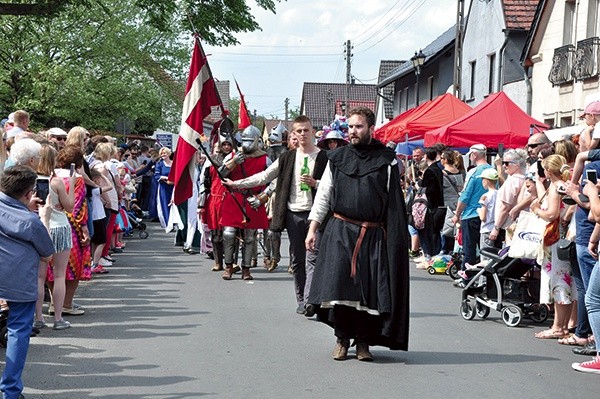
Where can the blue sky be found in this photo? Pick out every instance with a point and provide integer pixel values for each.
(304, 42)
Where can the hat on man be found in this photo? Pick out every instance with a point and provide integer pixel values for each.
(592, 108)
(477, 148)
(490, 174)
(332, 135)
(56, 132)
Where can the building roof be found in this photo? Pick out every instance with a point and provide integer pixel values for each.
(518, 14)
(385, 67)
(223, 89)
(439, 45)
(321, 101)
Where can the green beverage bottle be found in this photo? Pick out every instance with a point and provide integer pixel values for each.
(304, 171)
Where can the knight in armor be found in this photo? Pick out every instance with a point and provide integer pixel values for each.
(277, 142)
(295, 191)
(250, 161)
(211, 208)
(272, 237)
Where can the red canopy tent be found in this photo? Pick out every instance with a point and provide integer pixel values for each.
(496, 120)
(384, 131)
(427, 116)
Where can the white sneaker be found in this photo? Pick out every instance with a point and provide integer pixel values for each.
(104, 262)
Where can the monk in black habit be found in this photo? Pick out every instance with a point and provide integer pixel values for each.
(361, 279)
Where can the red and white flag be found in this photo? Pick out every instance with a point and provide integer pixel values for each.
(200, 94)
(244, 117)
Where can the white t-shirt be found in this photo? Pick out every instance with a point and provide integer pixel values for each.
(301, 201)
(488, 200)
(97, 207)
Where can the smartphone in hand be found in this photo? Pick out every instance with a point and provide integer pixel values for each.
(42, 189)
(540, 169)
(591, 176)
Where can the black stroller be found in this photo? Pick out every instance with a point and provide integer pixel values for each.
(137, 224)
(505, 285)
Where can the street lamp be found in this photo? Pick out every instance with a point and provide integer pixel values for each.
(418, 60)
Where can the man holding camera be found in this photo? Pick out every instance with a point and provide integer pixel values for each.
(24, 243)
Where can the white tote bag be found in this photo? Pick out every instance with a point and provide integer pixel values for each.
(528, 237)
(175, 222)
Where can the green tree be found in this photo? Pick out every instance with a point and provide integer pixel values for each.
(217, 21)
(92, 66)
(294, 113)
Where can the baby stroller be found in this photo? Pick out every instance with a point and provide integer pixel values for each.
(505, 286)
(137, 224)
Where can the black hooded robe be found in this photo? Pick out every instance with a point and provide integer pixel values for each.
(366, 187)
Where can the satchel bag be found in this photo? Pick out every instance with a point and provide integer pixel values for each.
(566, 250)
(552, 233)
(528, 237)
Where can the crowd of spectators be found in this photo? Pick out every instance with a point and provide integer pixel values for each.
(556, 181)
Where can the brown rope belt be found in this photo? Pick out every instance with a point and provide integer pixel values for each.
(363, 229)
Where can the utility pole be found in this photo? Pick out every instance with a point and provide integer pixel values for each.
(458, 45)
(348, 52)
(287, 105)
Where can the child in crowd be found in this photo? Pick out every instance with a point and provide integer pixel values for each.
(100, 219)
(489, 179)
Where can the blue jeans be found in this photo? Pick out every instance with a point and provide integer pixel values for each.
(470, 235)
(592, 301)
(582, 278)
(19, 325)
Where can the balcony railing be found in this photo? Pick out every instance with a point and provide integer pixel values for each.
(586, 59)
(562, 63)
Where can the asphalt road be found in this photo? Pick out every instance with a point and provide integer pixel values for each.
(161, 325)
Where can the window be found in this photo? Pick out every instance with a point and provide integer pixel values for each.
(568, 22)
(406, 98)
(592, 19)
(472, 89)
(492, 72)
(565, 121)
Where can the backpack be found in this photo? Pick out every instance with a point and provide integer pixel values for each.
(420, 210)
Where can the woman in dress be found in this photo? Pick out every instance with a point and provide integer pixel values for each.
(79, 259)
(557, 284)
(103, 153)
(54, 218)
(452, 183)
(165, 186)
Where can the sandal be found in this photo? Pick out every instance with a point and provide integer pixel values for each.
(573, 340)
(550, 334)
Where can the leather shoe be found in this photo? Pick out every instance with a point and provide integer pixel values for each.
(362, 352)
(588, 350)
(340, 351)
(310, 310)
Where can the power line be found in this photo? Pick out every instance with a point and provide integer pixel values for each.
(290, 46)
(273, 62)
(278, 55)
(404, 9)
(396, 28)
(376, 22)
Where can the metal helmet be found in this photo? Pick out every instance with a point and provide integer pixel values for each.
(225, 139)
(250, 139)
(332, 135)
(276, 136)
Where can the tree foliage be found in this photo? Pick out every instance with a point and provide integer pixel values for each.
(217, 21)
(95, 62)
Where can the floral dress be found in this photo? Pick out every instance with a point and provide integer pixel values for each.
(79, 266)
(556, 281)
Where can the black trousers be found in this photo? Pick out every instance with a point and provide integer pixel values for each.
(350, 323)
